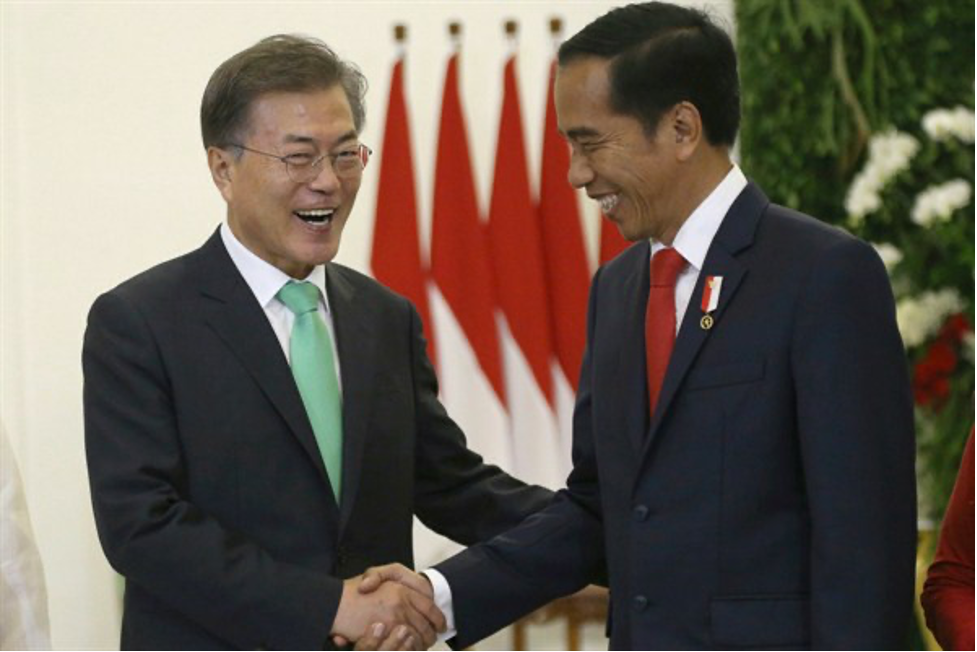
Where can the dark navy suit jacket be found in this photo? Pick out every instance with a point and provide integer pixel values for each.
(770, 502)
(210, 494)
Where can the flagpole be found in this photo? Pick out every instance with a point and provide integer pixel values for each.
(400, 40)
(556, 32)
(454, 34)
(512, 35)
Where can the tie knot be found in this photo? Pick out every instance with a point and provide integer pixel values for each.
(665, 267)
(299, 297)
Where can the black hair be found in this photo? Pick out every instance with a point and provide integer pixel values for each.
(662, 54)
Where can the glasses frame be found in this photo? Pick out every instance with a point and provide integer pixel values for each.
(309, 171)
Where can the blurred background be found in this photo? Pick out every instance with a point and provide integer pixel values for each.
(858, 112)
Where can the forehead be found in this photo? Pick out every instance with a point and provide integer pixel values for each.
(582, 95)
(321, 116)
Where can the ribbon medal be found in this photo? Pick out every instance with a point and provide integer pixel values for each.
(710, 300)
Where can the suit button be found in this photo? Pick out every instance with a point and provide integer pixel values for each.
(341, 556)
(639, 603)
(640, 513)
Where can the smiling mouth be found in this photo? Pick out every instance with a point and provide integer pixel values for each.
(608, 203)
(318, 217)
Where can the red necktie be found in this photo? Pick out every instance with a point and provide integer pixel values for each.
(660, 320)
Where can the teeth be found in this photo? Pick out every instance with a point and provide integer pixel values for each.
(318, 215)
(608, 202)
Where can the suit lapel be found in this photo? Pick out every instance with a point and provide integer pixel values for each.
(231, 310)
(633, 375)
(356, 341)
(734, 235)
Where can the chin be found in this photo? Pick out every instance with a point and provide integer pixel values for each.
(324, 257)
(630, 232)
(317, 253)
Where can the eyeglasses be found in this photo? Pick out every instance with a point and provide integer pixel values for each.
(304, 167)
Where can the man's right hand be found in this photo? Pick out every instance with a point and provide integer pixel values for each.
(391, 604)
(374, 577)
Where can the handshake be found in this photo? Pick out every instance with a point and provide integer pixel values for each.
(388, 608)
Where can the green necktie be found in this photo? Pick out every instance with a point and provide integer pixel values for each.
(310, 349)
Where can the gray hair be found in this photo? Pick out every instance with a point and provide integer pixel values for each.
(281, 63)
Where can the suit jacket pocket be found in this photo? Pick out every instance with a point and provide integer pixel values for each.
(760, 621)
(726, 374)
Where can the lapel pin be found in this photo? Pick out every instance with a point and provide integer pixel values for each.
(710, 300)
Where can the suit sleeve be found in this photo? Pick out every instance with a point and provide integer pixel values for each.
(555, 552)
(456, 493)
(151, 533)
(855, 423)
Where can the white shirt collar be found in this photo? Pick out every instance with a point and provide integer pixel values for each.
(696, 233)
(264, 279)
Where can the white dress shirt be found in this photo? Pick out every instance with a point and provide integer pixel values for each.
(692, 241)
(695, 236)
(265, 280)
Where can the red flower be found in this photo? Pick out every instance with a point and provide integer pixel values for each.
(931, 385)
(942, 357)
(955, 328)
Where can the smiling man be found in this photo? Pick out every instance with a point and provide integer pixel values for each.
(262, 424)
(743, 433)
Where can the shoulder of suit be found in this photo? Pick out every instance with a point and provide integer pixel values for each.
(163, 279)
(788, 235)
(364, 284)
(787, 225)
(809, 243)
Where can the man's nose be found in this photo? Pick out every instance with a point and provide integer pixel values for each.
(325, 179)
(580, 172)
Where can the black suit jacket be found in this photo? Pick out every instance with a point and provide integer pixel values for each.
(770, 502)
(210, 494)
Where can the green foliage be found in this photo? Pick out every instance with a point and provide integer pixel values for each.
(819, 79)
(817, 74)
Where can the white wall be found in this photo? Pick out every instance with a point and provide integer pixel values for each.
(103, 175)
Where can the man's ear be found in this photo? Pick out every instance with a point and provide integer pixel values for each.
(221, 163)
(687, 127)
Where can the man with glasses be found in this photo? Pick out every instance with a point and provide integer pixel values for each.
(261, 423)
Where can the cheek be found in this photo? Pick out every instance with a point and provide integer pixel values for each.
(351, 187)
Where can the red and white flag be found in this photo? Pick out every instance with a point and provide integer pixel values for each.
(567, 272)
(567, 269)
(396, 255)
(520, 278)
(463, 306)
(710, 293)
(463, 301)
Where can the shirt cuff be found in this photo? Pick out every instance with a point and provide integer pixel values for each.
(442, 600)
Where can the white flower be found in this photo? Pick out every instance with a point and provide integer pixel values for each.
(939, 202)
(890, 255)
(889, 153)
(920, 317)
(943, 124)
(863, 198)
(968, 346)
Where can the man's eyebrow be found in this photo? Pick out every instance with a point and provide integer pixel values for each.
(578, 133)
(348, 136)
(307, 140)
(304, 140)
